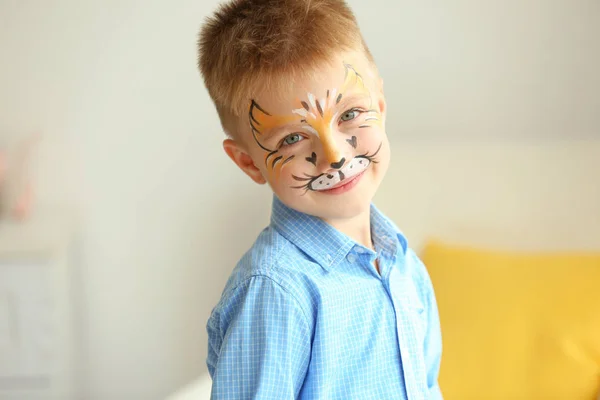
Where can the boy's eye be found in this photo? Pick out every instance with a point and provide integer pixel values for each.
(292, 139)
(350, 115)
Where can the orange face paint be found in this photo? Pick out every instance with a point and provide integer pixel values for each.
(318, 116)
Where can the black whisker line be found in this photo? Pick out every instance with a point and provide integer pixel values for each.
(287, 160)
(269, 156)
(371, 157)
(377, 151)
(275, 161)
(311, 176)
(305, 186)
(297, 178)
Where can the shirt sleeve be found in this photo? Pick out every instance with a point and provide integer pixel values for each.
(433, 345)
(259, 343)
(432, 348)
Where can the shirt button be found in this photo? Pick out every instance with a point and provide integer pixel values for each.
(329, 259)
(360, 250)
(351, 258)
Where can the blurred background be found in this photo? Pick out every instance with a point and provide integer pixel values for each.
(122, 216)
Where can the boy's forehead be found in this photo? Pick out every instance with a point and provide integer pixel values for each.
(332, 76)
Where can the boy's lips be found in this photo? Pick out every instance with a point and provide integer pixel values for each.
(344, 185)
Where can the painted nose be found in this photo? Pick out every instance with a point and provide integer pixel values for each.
(332, 152)
(338, 164)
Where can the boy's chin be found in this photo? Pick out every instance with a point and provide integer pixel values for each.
(336, 207)
(343, 211)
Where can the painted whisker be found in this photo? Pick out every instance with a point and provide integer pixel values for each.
(297, 178)
(269, 156)
(275, 161)
(287, 160)
(371, 157)
(306, 187)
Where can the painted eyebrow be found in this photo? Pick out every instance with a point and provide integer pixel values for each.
(351, 99)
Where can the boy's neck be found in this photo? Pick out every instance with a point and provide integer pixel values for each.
(358, 228)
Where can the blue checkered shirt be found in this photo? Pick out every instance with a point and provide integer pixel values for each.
(306, 315)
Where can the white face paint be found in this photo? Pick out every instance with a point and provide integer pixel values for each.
(350, 170)
(311, 130)
(313, 111)
(300, 111)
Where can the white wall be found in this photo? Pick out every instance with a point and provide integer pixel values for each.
(494, 120)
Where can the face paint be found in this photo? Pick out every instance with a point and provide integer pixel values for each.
(352, 142)
(318, 117)
(260, 121)
(328, 181)
(312, 159)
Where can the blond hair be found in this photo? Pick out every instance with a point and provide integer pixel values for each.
(251, 45)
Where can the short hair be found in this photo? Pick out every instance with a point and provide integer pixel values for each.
(251, 45)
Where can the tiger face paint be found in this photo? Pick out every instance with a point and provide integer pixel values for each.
(326, 136)
(318, 117)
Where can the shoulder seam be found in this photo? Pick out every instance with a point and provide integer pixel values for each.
(286, 290)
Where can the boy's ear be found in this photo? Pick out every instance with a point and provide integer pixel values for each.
(243, 160)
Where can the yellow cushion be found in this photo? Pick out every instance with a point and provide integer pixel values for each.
(517, 326)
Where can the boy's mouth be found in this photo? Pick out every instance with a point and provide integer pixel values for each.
(342, 177)
(339, 181)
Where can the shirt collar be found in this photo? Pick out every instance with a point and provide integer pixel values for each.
(325, 244)
(319, 240)
(386, 235)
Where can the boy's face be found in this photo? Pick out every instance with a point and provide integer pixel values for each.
(321, 146)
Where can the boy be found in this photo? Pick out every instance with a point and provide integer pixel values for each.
(329, 303)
